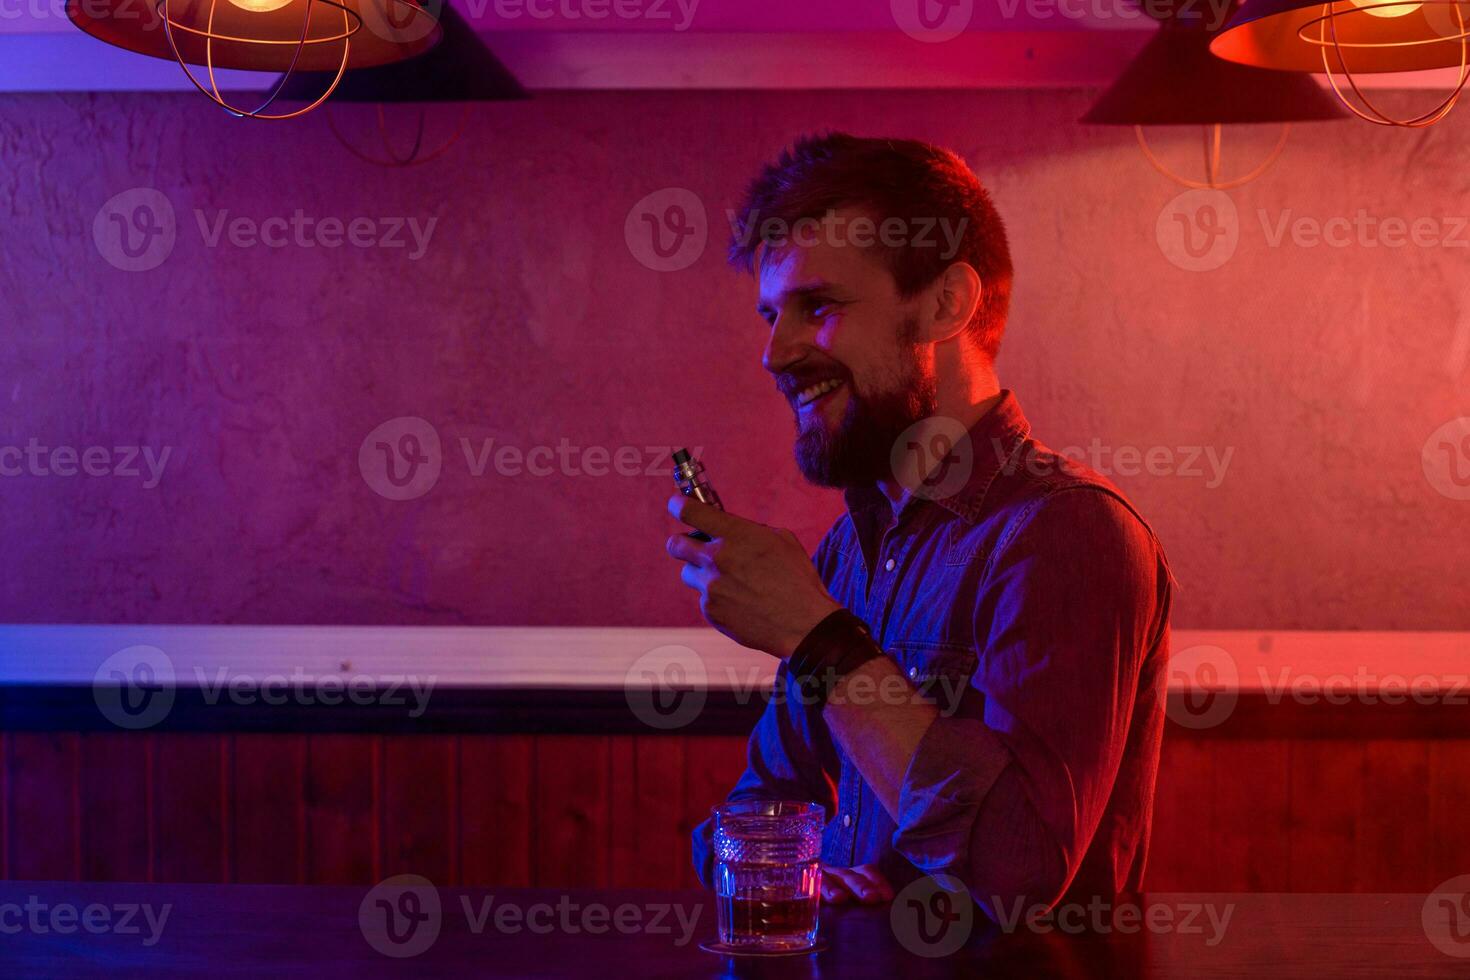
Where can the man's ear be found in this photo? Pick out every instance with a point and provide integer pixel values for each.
(953, 301)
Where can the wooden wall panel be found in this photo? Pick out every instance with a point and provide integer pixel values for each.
(647, 812)
(419, 807)
(44, 816)
(1249, 840)
(495, 810)
(268, 818)
(1393, 842)
(1449, 805)
(1232, 814)
(191, 839)
(116, 806)
(4, 806)
(1326, 800)
(1184, 819)
(342, 776)
(570, 834)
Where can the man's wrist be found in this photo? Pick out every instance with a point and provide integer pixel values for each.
(812, 621)
(835, 647)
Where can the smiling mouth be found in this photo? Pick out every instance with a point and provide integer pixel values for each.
(818, 391)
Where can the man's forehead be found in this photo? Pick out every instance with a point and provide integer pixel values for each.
(796, 268)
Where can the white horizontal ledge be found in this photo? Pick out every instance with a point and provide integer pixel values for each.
(501, 657)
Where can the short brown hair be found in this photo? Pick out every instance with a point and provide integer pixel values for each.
(886, 178)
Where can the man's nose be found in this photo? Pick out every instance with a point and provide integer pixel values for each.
(783, 349)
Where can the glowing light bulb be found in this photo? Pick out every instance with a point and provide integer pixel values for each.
(1397, 10)
(260, 6)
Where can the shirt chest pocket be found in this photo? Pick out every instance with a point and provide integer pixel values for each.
(940, 671)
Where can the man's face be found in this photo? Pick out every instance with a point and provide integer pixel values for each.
(844, 352)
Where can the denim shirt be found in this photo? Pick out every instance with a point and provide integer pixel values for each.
(1031, 607)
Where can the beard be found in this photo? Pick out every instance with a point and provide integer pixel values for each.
(859, 450)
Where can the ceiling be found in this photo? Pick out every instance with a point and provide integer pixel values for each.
(787, 44)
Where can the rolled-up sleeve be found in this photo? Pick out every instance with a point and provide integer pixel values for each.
(1007, 797)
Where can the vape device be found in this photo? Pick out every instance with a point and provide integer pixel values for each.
(693, 481)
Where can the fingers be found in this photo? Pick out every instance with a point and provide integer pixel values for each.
(863, 884)
(835, 889)
(687, 549)
(697, 514)
(872, 886)
(694, 577)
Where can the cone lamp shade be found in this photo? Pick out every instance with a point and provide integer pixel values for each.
(1176, 81)
(460, 68)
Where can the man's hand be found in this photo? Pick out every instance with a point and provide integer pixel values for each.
(756, 584)
(863, 884)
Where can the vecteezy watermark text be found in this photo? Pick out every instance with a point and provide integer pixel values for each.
(42, 918)
(861, 231)
(678, 14)
(667, 687)
(1190, 462)
(35, 459)
(301, 230)
(135, 688)
(1101, 917)
(402, 917)
(136, 230)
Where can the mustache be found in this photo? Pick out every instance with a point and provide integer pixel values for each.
(790, 383)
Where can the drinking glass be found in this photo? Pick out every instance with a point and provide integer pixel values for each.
(768, 876)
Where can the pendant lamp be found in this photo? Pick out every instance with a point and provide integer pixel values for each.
(459, 69)
(276, 36)
(1345, 38)
(1176, 81)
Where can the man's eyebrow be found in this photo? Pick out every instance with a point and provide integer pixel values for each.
(796, 292)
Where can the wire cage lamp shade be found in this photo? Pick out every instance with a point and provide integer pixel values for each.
(1346, 38)
(275, 36)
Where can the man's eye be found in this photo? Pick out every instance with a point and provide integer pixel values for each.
(824, 309)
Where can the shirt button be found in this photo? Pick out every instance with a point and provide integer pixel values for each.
(913, 673)
(847, 820)
(888, 565)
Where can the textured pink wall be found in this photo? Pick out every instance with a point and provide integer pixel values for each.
(529, 319)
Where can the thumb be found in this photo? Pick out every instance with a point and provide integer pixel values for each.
(701, 516)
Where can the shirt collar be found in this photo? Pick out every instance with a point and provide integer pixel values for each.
(994, 440)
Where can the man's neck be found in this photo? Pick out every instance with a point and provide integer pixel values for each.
(965, 396)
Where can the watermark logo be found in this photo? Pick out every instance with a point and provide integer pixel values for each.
(1446, 917)
(933, 458)
(933, 916)
(401, 459)
(667, 687)
(677, 14)
(134, 688)
(401, 916)
(932, 21)
(1199, 230)
(668, 230)
(135, 230)
(1446, 459)
(402, 21)
(1210, 680)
